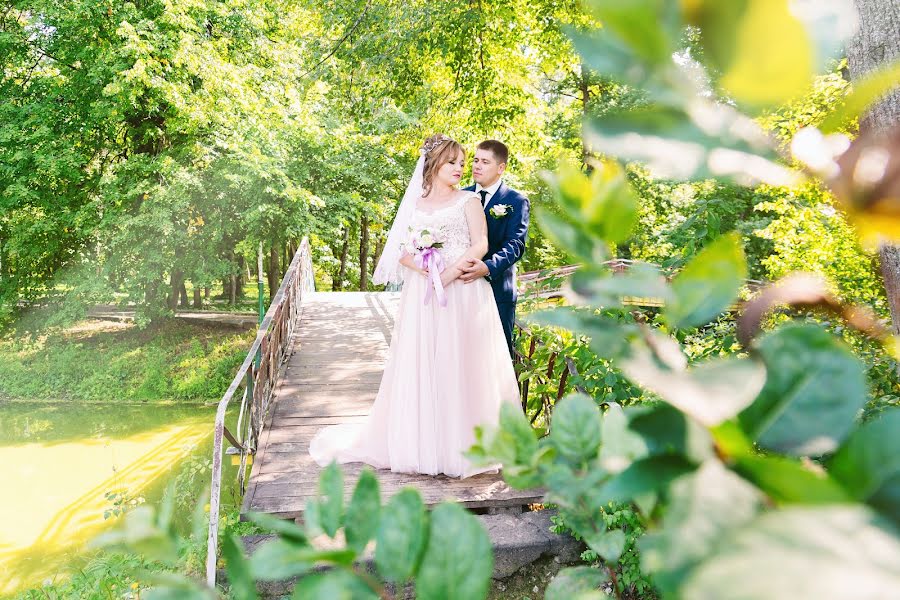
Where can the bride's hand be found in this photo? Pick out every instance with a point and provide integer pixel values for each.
(447, 277)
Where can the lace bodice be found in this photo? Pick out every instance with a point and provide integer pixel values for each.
(451, 222)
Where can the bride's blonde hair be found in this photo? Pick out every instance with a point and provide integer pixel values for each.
(438, 150)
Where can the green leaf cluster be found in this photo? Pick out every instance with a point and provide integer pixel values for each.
(751, 463)
(446, 551)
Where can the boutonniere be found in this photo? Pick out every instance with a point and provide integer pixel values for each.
(500, 210)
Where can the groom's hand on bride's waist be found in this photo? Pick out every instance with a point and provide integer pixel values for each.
(473, 269)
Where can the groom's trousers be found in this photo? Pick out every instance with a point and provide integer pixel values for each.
(508, 319)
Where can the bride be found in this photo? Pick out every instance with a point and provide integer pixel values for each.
(448, 367)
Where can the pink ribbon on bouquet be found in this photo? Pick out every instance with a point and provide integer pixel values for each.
(430, 259)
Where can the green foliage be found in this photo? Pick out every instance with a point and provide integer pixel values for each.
(403, 532)
(362, 513)
(782, 229)
(459, 558)
(124, 175)
(575, 435)
(108, 575)
(676, 219)
(594, 374)
(446, 551)
(807, 233)
(746, 41)
(809, 371)
(575, 582)
(868, 466)
(702, 504)
(867, 90)
(727, 473)
(812, 107)
(173, 361)
(121, 502)
(630, 579)
(829, 539)
(110, 572)
(707, 284)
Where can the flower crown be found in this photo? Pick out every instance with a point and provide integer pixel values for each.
(431, 145)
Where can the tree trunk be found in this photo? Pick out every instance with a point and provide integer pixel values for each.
(185, 303)
(4, 267)
(584, 89)
(338, 282)
(890, 270)
(373, 259)
(175, 283)
(239, 279)
(876, 44)
(364, 254)
(152, 294)
(274, 272)
(198, 297)
(233, 280)
(206, 291)
(379, 248)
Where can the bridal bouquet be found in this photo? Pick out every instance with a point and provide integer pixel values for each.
(423, 247)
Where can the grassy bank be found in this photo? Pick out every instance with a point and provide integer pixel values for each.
(102, 361)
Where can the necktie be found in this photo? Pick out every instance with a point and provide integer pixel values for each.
(484, 194)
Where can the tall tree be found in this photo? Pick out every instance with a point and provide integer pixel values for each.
(364, 253)
(876, 44)
(144, 145)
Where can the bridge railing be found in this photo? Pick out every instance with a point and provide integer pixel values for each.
(254, 383)
(547, 284)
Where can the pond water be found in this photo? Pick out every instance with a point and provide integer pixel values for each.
(63, 461)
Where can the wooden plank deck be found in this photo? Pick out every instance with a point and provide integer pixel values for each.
(332, 376)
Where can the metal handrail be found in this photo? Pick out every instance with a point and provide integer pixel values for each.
(272, 341)
(530, 286)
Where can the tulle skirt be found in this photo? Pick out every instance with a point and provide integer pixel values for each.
(448, 370)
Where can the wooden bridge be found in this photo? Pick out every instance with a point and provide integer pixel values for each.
(317, 360)
(333, 373)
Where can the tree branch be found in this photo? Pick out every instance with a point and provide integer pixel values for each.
(30, 73)
(340, 41)
(3, 18)
(46, 54)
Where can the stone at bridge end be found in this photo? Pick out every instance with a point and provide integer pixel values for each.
(521, 539)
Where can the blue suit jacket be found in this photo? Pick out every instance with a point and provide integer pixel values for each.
(506, 240)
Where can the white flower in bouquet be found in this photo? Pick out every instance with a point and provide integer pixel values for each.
(421, 240)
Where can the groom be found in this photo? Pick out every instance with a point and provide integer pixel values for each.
(507, 220)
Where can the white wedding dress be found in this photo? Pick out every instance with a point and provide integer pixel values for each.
(448, 370)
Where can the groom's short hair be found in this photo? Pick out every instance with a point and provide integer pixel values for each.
(501, 152)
